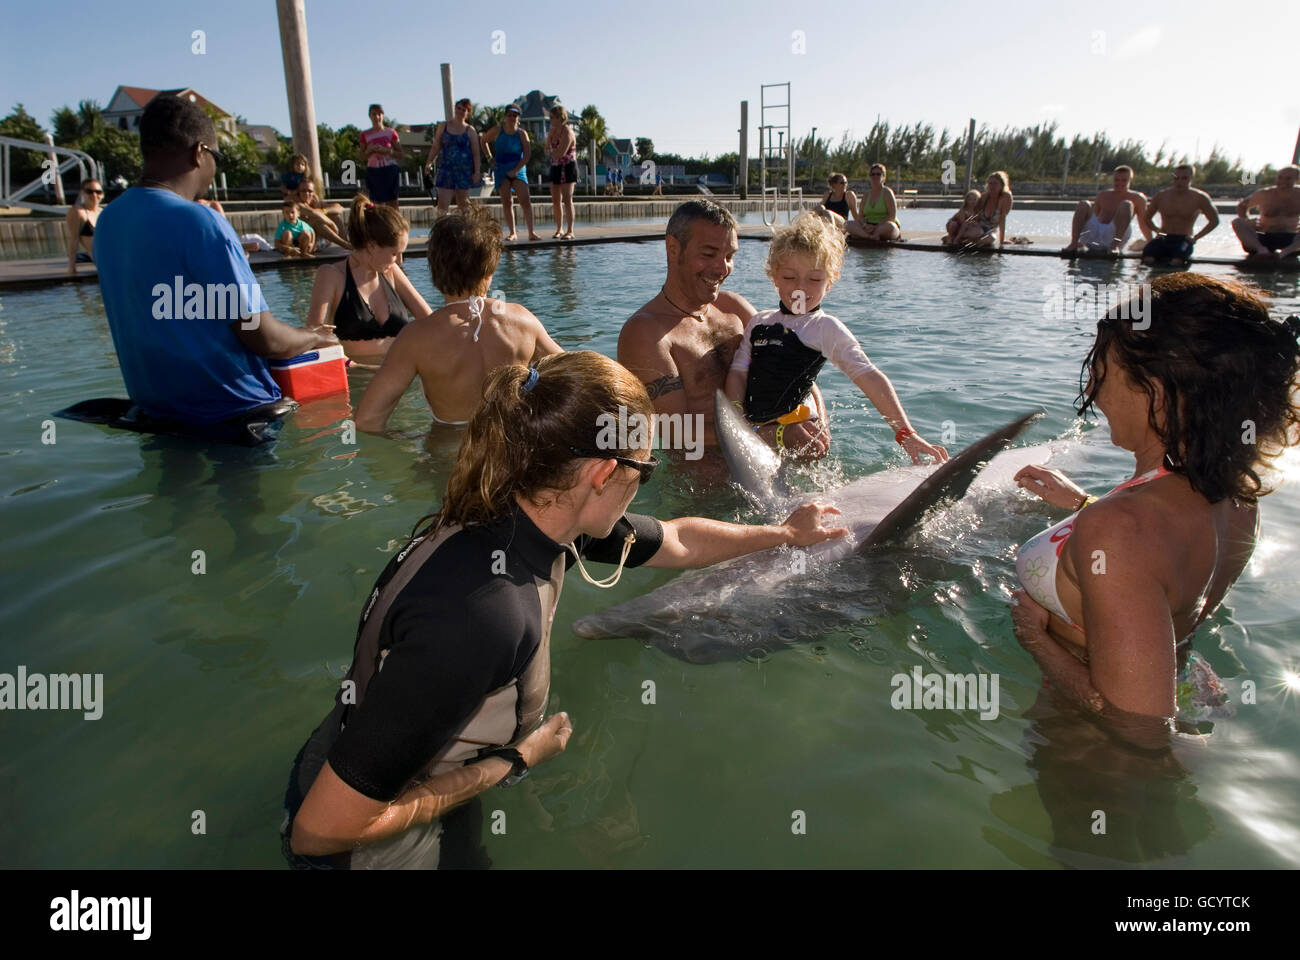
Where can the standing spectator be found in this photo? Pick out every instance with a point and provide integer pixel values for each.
(562, 150)
(456, 148)
(381, 151)
(81, 220)
(508, 144)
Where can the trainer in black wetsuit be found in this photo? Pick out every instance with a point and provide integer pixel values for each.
(452, 655)
(354, 320)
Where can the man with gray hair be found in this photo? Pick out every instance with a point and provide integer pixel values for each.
(681, 343)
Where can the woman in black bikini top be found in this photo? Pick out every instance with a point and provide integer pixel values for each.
(377, 235)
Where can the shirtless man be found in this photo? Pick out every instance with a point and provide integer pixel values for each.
(1104, 225)
(1275, 235)
(681, 343)
(453, 349)
(1178, 206)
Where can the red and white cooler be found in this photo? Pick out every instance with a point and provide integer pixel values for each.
(320, 373)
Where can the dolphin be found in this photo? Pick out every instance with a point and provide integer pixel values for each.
(774, 598)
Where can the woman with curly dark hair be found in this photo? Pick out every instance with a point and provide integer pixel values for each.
(1204, 395)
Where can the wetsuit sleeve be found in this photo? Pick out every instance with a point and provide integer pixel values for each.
(649, 538)
(447, 654)
(840, 346)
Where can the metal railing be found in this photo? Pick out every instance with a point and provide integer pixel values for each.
(51, 171)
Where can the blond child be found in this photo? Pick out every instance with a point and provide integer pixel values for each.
(970, 208)
(783, 350)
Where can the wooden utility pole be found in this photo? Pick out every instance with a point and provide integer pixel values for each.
(1295, 154)
(446, 92)
(297, 82)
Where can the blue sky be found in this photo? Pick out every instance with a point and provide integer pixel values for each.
(676, 71)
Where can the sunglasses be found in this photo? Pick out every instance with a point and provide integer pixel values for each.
(877, 173)
(216, 154)
(645, 468)
(88, 190)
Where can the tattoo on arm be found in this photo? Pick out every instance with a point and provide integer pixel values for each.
(657, 388)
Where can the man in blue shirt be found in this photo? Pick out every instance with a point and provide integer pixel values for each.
(189, 322)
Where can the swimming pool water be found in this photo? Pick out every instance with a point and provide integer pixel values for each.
(213, 680)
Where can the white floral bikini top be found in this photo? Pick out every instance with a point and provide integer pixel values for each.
(1037, 560)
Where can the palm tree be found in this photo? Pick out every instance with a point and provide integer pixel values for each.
(592, 135)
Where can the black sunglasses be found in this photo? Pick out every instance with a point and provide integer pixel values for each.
(644, 468)
(216, 154)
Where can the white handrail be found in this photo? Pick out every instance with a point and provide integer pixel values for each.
(76, 158)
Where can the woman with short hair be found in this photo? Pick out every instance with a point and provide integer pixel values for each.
(456, 148)
(508, 145)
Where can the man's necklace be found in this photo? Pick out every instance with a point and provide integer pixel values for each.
(698, 316)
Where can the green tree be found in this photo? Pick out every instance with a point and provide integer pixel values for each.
(27, 164)
(117, 150)
(645, 149)
(241, 161)
(592, 132)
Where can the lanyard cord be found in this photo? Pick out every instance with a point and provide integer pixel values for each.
(612, 579)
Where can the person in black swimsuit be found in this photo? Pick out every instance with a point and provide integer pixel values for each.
(81, 223)
(366, 297)
(451, 671)
(839, 198)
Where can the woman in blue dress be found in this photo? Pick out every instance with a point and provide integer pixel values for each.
(456, 148)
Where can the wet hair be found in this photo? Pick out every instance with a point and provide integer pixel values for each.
(517, 443)
(1223, 365)
(1124, 168)
(464, 250)
(810, 236)
(684, 218)
(172, 125)
(1002, 178)
(373, 224)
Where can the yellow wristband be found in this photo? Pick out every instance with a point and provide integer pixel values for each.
(780, 436)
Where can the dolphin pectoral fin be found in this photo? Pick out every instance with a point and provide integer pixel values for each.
(949, 481)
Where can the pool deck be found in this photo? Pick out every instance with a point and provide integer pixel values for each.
(51, 271)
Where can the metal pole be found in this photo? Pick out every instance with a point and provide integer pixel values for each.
(970, 153)
(446, 89)
(812, 159)
(297, 80)
(744, 149)
(1065, 176)
(59, 198)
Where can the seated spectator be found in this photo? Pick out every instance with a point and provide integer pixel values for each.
(294, 237)
(325, 218)
(81, 219)
(293, 178)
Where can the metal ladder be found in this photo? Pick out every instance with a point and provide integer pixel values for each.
(773, 156)
(84, 162)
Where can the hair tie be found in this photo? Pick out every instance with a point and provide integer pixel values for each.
(533, 377)
(370, 206)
